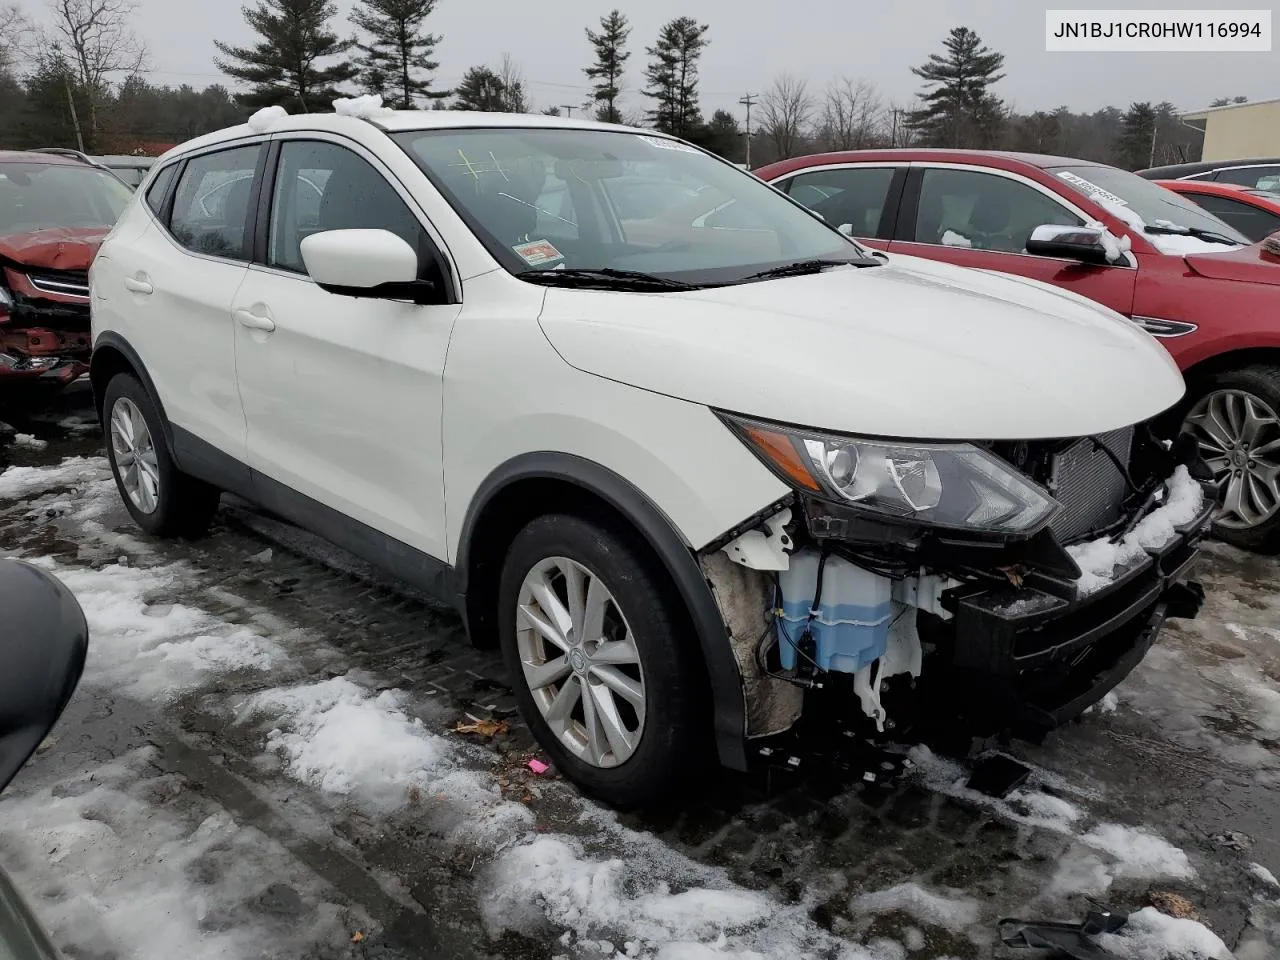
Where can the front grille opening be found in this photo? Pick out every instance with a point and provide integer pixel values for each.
(73, 283)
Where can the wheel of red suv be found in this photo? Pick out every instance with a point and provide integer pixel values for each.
(604, 676)
(1235, 416)
(162, 500)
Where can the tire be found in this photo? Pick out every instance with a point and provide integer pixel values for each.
(1235, 414)
(162, 500)
(671, 727)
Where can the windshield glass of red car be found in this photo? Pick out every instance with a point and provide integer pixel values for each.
(1123, 191)
(36, 196)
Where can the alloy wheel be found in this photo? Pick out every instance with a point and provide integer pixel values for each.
(1239, 438)
(580, 661)
(135, 455)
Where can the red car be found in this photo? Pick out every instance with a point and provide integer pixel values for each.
(1207, 291)
(1254, 212)
(55, 210)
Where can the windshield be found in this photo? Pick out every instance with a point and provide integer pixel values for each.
(558, 198)
(34, 196)
(1127, 194)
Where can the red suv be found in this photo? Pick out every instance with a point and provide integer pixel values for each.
(55, 210)
(1208, 293)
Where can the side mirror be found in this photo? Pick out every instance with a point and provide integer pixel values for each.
(846, 229)
(365, 263)
(42, 653)
(1086, 244)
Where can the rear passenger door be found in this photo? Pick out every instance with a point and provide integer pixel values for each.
(864, 198)
(174, 285)
(983, 218)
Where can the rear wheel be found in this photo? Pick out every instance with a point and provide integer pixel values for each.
(601, 670)
(162, 500)
(1235, 418)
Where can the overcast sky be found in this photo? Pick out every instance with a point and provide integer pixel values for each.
(815, 39)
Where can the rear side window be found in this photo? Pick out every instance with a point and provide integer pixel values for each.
(852, 195)
(159, 188)
(211, 205)
(1250, 176)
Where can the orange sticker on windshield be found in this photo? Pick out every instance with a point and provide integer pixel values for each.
(537, 252)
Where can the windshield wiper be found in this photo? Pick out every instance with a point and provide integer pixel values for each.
(604, 277)
(803, 267)
(1199, 233)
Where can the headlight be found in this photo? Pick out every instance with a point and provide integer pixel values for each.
(954, 485)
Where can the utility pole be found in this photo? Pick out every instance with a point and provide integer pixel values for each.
(1155, 128)
(568, 110)
(748, 101)
(71, 102)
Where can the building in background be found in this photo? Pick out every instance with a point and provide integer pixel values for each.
(1239, 130)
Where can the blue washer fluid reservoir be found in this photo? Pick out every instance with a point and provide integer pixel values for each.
(851, 625)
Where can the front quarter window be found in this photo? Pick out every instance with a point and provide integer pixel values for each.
(596, 200)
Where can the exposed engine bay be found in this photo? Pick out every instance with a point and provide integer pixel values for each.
(904, 622)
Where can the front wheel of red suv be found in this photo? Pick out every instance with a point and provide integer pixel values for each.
(1235, 417)
(162, 500)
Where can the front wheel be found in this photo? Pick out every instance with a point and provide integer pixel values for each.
(1235, 418)
(604, 673)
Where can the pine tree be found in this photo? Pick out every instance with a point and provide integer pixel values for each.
(959, 110)
(721, 135)
(396, 60)
(1137, 136)
(481, 89)
(611, 57)
(283, 67)
(673, 76)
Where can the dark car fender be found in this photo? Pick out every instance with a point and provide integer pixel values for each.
(676, 555)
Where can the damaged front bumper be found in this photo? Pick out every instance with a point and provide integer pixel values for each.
(44, 327)
(996, 638)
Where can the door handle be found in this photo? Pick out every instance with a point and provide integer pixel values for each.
(138, 286)
(254, 321)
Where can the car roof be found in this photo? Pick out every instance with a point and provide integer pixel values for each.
(1175, 170)
(33, 156)
(994, 158)
(396, 121)
(1250, 195)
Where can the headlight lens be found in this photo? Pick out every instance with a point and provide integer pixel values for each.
(954, 485)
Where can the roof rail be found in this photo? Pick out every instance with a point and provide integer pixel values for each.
(66, 152)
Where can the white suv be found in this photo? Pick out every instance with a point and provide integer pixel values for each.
(684, 471)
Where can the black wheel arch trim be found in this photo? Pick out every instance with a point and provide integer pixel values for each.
(113, 340)
(676, 555)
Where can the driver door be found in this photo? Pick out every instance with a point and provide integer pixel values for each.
(983, 218)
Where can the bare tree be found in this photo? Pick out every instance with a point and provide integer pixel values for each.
(15, 34)
(785, 110)
(852, 114)
(515, 100)
(98, 40)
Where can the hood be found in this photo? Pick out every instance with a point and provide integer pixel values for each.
(912, 349)
(53, 248)
(1251, 264)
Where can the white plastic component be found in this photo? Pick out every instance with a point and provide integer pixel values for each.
(924, 593)
(763, 549)
(903, 654)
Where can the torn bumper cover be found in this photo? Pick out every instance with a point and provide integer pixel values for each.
(44, 325)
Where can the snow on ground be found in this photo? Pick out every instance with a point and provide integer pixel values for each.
(28, 441)
(1151, 935)
(113, 868)
(614, 892)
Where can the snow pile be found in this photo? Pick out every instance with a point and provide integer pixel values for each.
(1151, 935)
(1099, 559)
(955, 913)
(1263, 874)
(125, 862)
(28, 441)
(952, 239)
(364, 108)
(1116, 247)
(18, 483)
(1139, 853)
(261, 121)
(147, 647)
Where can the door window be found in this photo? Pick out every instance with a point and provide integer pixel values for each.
(211, 207)
(852, 195)
(159, 189)
(1254, 222)
(985, 211)
(323, 186)
(1258, 177)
